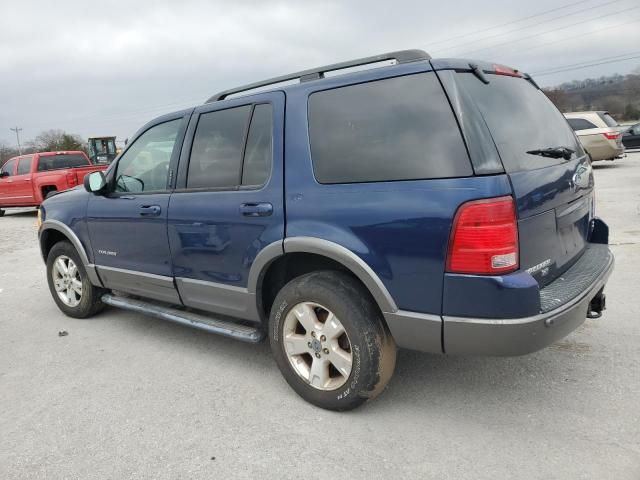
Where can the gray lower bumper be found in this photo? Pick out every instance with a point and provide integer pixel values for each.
(518, 336)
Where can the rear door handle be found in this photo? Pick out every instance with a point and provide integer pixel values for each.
(256, 209)
(150, 210)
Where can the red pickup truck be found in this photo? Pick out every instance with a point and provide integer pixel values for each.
(26, 181)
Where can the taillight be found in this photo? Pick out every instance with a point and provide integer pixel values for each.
(504, 70)
(72, 179)
(484, 237)
(611, 135)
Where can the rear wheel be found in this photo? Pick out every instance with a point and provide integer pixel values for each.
(69, 284)
(329, 340)
(1, 213)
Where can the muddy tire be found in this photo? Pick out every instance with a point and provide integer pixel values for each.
(329, 340)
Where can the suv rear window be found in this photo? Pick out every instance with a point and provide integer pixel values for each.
(521, 118)
(394, 129)
(580, 124)
(608, 119)
(66, 160)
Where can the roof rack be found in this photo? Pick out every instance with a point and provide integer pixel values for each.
(402, 56)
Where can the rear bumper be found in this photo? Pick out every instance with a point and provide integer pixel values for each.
(605, 150)
(564, 303)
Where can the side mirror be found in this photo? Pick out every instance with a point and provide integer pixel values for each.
(4, 174)
(95, 182)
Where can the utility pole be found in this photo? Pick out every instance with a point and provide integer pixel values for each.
(17, 130)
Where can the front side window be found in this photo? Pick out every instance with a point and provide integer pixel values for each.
(394, 129)
(24, 166)
(8, 167)
(144, 167)
(216, 154)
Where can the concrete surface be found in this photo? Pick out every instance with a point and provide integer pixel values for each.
(124, 396)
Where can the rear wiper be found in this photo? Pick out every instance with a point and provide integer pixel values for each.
(475, 69)
(554, 152)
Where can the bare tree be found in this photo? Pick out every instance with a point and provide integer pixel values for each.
(6, 152)
(56, 140)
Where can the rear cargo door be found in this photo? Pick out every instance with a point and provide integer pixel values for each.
(554, 196)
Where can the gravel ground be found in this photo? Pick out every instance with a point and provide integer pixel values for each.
(125, 396)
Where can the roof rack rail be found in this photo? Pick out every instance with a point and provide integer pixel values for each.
(402, 56)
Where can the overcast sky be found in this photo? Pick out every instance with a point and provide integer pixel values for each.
(105, 68)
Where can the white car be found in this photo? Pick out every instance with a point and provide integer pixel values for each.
(599, 133)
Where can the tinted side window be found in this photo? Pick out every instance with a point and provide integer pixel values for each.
(216, 154)
(258, 152)
(394, 129)
(580, 124)
(24, 166)
(145, 165)
(8, 167)
(57, 162)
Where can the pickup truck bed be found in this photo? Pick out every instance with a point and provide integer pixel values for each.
(26, 181)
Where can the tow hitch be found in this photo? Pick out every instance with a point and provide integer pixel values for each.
(597, 305)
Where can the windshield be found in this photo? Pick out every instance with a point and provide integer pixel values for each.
(100, 146)
(66, 160)
(521, 119)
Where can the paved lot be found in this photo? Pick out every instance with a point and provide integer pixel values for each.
(125, 396)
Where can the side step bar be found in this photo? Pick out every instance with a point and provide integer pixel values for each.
(190, 319)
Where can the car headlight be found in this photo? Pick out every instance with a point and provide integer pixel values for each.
(39, 217)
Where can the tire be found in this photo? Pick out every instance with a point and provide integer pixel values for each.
(372, 351)
(78, 305)
(1, 213)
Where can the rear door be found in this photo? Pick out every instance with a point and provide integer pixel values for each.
(229, 202)
(128, 225)
(554, 196)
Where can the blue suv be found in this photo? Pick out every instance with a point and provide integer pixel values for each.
(444, 206)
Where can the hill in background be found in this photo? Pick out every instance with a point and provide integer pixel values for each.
(617, 94)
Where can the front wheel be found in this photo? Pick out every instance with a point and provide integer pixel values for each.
(329, 340)
(1, 212)
(69, 284)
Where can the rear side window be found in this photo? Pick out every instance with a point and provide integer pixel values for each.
(257, 155)
(24, 166)
(521, 118)
(57, 162)
(216, 154)
(580, 124)
(394, 129)
(608, 119)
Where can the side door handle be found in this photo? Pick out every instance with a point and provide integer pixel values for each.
(150, 210)
(256, 209)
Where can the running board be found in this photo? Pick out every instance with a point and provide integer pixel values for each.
(190, 319)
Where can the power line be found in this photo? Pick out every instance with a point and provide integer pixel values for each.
(534, 24)
(582, 35)
(550, 31)
(611, 57)
(508, 23)
(17, 130)
(585, 66)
